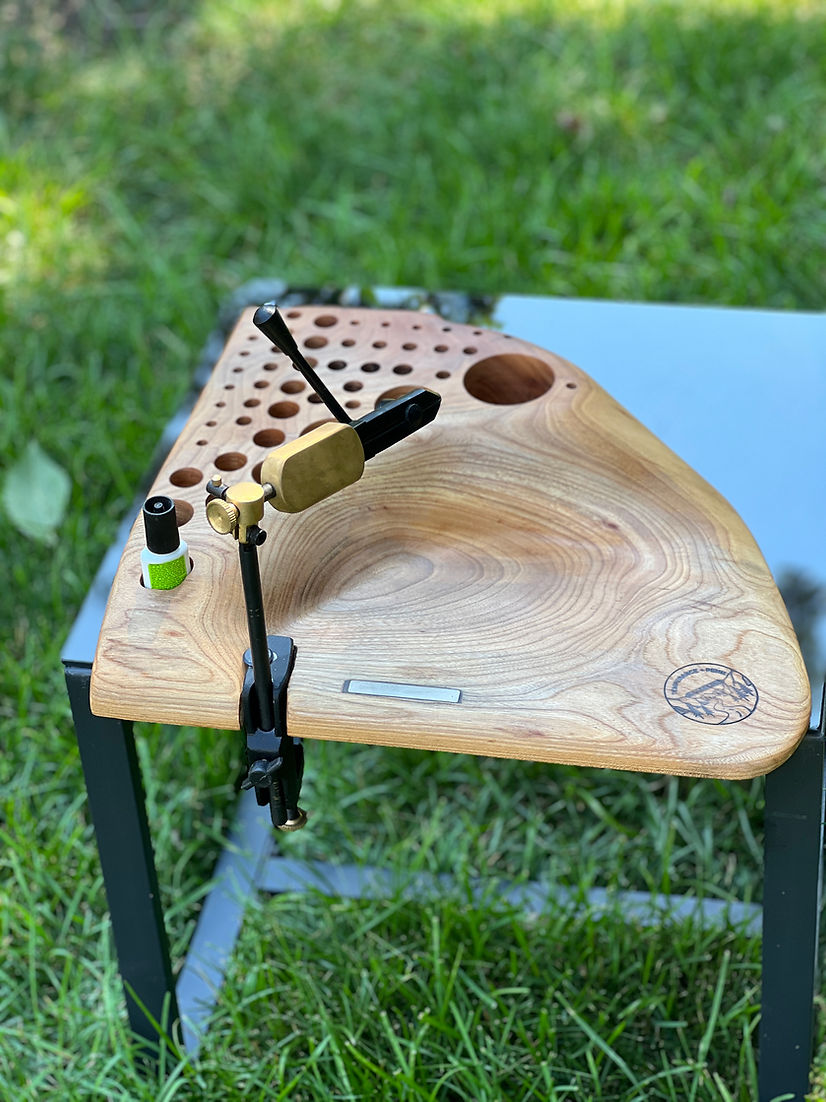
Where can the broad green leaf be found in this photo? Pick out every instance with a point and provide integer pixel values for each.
(35, 494)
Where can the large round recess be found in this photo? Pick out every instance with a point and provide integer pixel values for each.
(508, 379)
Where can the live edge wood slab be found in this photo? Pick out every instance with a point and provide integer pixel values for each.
(593, 599)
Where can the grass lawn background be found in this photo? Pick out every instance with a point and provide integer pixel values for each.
(151, 160)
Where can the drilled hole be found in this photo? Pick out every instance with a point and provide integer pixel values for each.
(442, 374)
(440, 348)
(408, 346)
(315, 424)
(293, 386)
(315, 342)
(268, 438)
(245, 352)
(446, 328)
(243, 420)
(355, 321)
(402, 369)
(211, 424)
(326, 320)
(283, 409)
(312, 361)
(237, 370)
(294, 314)
(230, 386)
(348, 342)
(256, 472)
(470, 350)
(508, 379)
(270, 367)
(230, 461)
(352, 404)
(369, 367)
(385, 325)
(571, 386)
(337, 365)
(261, 384)
(186, 476)
(393, 392)
(353, 384)
(251, 403)
(220, 405)
(183, 512)
(380, 344)
(314, 398)
(201, 443)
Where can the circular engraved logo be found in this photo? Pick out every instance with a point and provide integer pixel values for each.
(708, 693)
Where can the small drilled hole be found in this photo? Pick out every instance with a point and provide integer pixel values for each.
(326, 320)
(283, 409)
(312, 361)
(352, 404)
(417, 326)
(201, 443)
(353, 384)
(251, 403)
(293, 386)
(245, 352)
(243, 420)
(268, 438)
(402, 369)
(256, 471)
(348, 342)
(211, 424)
(270, 367)
(230, 386)
(314, 398)
(237, 370)
(571, 386)
(294, 314)
(337, 365)
(408, 346)
(315, 342)
(230, 461)
(355, 321)
(186, 476)
(470, 350)
(261, 384)
(380, 344)
(253, 337)
(385, 325)
(440, 348)
(220, 405)
(445, 328)
(442, 374)
(369, 367)
(183, 512)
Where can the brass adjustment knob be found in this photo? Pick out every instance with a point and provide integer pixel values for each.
(223, 516)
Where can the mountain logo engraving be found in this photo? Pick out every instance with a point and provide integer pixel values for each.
(710, 693)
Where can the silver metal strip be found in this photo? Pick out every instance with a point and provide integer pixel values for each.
(403, 692)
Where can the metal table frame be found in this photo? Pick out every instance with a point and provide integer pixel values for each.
(156, 1003)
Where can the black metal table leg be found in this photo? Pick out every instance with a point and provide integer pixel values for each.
(791, 913)
(116, 799)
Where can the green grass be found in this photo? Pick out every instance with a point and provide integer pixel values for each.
(152, 160)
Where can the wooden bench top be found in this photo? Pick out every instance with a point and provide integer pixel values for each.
(593, 600)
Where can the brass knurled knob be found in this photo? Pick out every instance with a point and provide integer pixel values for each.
(223, 516)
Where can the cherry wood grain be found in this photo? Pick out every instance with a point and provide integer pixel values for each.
(535, 547)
